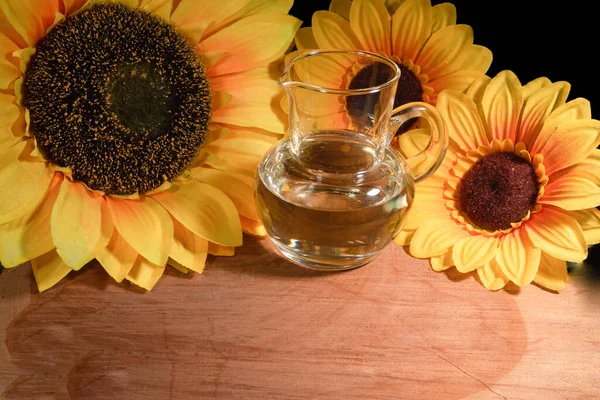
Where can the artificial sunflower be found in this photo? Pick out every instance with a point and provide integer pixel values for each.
(130, 130)
(516, 195)
(432, 51)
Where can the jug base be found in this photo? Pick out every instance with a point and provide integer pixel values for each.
(323, 263)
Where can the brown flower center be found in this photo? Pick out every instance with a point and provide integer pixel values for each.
(119, 97)
(409, 90)
(498, 190)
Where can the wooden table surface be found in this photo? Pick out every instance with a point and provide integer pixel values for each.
(254, 326)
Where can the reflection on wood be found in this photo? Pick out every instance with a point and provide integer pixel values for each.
(255, 326)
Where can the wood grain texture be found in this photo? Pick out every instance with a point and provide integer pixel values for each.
(254, 326)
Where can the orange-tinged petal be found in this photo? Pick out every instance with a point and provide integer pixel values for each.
(145, 274)
(462, 120)
(491, 276)
(29, 237)
(332, 31)
(30, 18)
(538, 106)
(501, 104)
(434, 238)
(189, 11)
(445, 51)
(552, 273)
(48, 270)
(254, 114)
(23, 181)
(189, 249)
(217, 250)
(145, 226)
(251, 42)
(517, 257)
(118, 257)
(370, 21)
(411, 27)
(569, 144)
(589, 220)
(9, 66)
(252, 226)
(9, 114)
(578, 109)
(73, 5)
(556, 233)
(442, 263)
(239, 188)
(80, 223)
(220, 99)
(204, 210)
(341, 8)
(443, 15)
(576, 190)
(473, 252)
(479, 58)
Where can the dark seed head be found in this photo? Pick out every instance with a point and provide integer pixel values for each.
(118, 96)
(498, 190)
(409, 90)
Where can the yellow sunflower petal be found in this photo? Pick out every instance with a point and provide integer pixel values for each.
(434, 238)
(341, 8)
(473, 252)
(48, 270)
(517, 257)
(237, 150)
(73, 5)
(370, 22)
(578, 109)
(204, 210)
(29, 237)
(145, 226)
(589, 220)
(118, 257)
(538, 105)
(445, 51)
(189, 11)
(23, 181)
(491, 276)
(404, 237)
(552, 273)
(81, 225)
(570, 143)
(189, 249)
(145, 274)
(251, 42)
(334, 32)
(442, 263)
(305, 39)
(479, 59)
(217, 250)
(30, 18)
(476, 90)
(576, 190)
(239, 188)
(443, 15)
(556, 233)
(411, 27)
(9, 70)
(9, 114)
(457, 80)
(501, 103)
(160, 8)
(533, 86)
(462, 119)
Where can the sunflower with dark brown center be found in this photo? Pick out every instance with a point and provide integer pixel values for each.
(131, 129)
(516, 195)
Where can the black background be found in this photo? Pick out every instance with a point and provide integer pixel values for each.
(533, 38)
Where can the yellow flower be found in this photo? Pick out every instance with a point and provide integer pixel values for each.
(431, 50)
(516, 194)
(103, 109)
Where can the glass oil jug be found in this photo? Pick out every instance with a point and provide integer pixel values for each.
(333, 193)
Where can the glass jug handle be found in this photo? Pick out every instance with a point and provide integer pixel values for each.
(426, 161)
